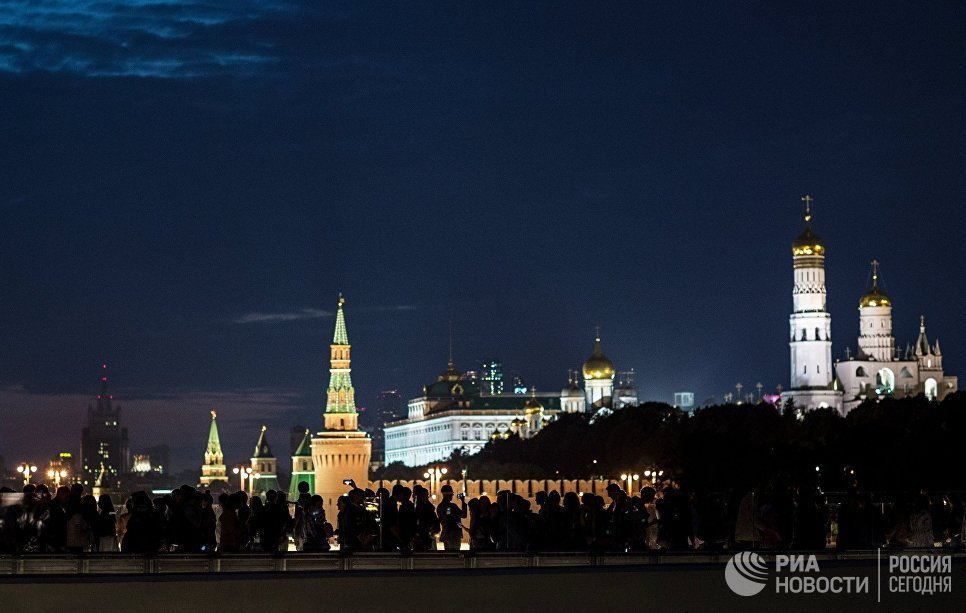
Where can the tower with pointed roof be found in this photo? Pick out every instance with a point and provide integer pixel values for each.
(214, 469)
(303, 468)
(264, 467)
(104, 439)
(341, 451)
(810, 325)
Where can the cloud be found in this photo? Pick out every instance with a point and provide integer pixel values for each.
(268, 318)
(141, 38)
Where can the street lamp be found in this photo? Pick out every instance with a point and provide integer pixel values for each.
(434, 475)
(243, 473)
(56, 475)
(27, 470)
(630, 479)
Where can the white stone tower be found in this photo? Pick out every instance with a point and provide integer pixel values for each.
(341, 451)
(875, 323)
(810, 338)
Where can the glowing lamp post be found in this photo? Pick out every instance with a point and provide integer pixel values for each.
(434, 475)
(56, 475)
(629, 479)
(26, 470)
(243, 473)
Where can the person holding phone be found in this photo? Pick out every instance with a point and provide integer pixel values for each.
(451, 530)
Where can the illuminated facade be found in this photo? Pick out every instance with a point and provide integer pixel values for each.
(810, 337)
(878, 369)
(104, 440)
(214, 468)
(341, 451)
(599, 379)
(457, 413)
(264, 467)
(303, 468)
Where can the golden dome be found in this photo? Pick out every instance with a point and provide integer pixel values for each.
(808, 243)
(532, 406)
(597, 365)
(875, 298)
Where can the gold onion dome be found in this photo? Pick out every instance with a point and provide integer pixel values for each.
(808, 243)
(875, 297)
(532, 406)
(597, 365)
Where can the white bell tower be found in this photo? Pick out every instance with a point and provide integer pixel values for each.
(810, 324)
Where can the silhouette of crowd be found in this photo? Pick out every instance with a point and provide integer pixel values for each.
(408, 520)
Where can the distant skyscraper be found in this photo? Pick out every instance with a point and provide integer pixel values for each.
(684, 401)
(491, 377)
(519, 384)
(104, 440)
(159, 455)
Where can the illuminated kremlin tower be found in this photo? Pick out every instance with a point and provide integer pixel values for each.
(341, 451)
(813, 383)
(214, 467)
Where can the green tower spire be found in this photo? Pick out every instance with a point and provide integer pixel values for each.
(213, 454)
(341, 396)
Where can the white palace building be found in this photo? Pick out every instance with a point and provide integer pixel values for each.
(878, 369)
(457, 412)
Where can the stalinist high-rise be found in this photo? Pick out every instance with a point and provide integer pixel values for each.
(341, 451)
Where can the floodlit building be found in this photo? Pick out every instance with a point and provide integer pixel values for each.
(264, 467)
(813, 382)
(879, 369)
(214, 468)
(303, 468)
(458, 413)
(341, 451)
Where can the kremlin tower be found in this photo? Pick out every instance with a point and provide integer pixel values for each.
(341, 451)
(214, 467)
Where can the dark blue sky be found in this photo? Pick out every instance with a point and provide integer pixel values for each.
(185, 188)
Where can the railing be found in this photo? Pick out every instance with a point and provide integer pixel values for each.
(162, 564)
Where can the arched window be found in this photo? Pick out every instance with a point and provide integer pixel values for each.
(931, 388)
(860, 372)
(904, 373)
(885, 381)
(818, 335)
(803, 334)
(805, 369)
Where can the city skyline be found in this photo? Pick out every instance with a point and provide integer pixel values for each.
(527, 177)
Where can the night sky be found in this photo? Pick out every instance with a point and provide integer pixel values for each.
(185, 189)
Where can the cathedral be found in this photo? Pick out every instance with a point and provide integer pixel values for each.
(877, 369)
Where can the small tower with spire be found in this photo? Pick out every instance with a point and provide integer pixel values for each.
(264, 466)
(341, 451)
(303, 468)
(214, 469)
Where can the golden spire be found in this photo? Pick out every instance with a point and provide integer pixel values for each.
(213, 414)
